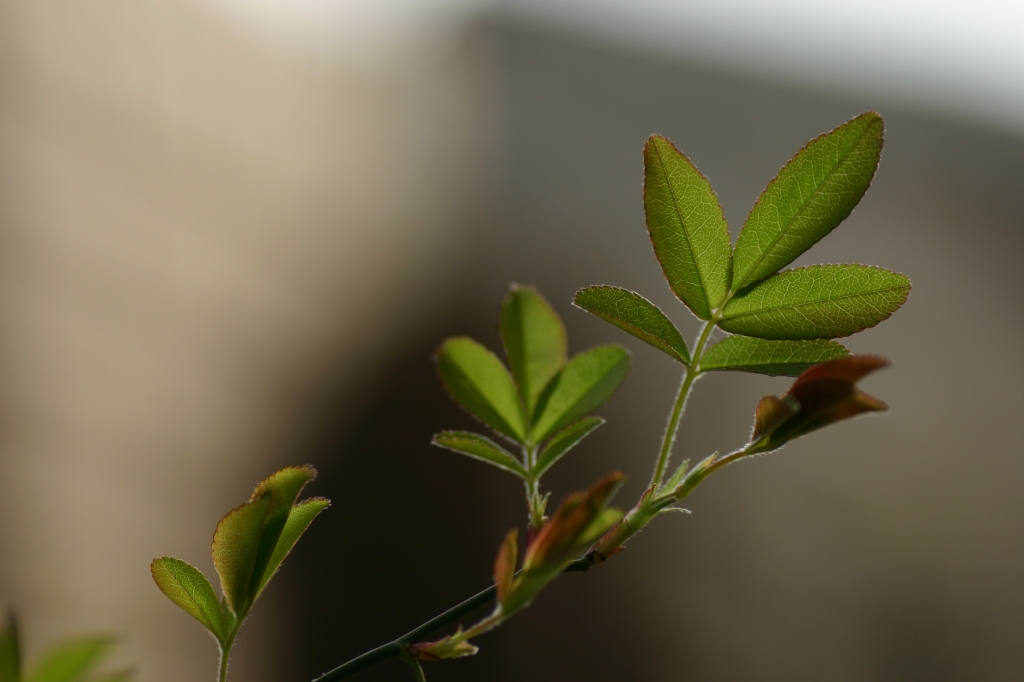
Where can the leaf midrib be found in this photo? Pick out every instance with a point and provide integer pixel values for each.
(728, 317)
(686, 231)
(799, 213)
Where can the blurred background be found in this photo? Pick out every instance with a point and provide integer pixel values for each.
(232, 232)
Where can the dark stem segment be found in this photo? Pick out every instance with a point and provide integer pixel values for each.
(395, 648)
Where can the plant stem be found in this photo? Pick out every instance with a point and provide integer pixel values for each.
(395, 648)
(692, 372)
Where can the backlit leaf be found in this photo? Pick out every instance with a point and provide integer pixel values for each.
(775, 358)
(817, 302)
(534, 341)
(477, 380)
(70, 661)
(187, 587)
(479, 447)
(635, 315)
(586, 382)
(236, 542)
(810, 196)
(299, 518)
(563, 441)
(687, 228)
(282, 488)
(10, 651)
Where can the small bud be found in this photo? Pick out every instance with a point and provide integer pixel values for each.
(451, 646)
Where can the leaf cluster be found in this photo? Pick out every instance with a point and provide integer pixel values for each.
(74, 660)
(249, 545)
(539, 402)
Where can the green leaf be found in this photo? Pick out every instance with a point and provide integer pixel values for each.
(479, 447)
(635, 315)
(810, 196)
(282, 488)
(10, 651)
(817, 302)
(476, 379)
(299, 518)
(774, 358)
(563, 441)
(583, 385)
(187, 587)
(534, 340)
(236, 542)
(687, 228)
(70, 661)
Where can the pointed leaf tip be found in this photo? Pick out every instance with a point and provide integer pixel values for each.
(815, 191)
(687, 228)
(534, 340)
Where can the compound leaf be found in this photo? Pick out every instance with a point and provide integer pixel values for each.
(236, 542)
(479, 447)
(816, 302)
(635, 315)
(586, 382)
(299, 518)
(687, 228)
(534, 341)
(477, 380)
(563, 441)
(810, 196)
(774, 358)
(70, 661)
(186, 586)
(10, 651)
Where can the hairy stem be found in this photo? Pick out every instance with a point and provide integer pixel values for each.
(692, 372)
(395, 648)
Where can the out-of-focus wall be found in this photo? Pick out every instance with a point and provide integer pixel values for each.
(195, 227)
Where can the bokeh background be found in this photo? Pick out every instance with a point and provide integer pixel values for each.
(231, 234)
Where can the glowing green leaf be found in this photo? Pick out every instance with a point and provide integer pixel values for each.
(687, 228)
(187, 587)
(775, 358)
(534, 340)
(563, 441)
(479, 447)
(817, 302)
(299, 518)
(809, 197)
(236, 542)
(586, 382)
(635, 315)
(477, 380)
